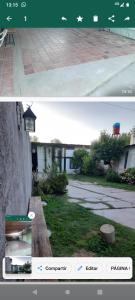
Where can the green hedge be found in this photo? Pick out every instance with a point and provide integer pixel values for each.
(128, 176)
(112, 176)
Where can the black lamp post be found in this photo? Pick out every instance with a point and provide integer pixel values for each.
(29, 120)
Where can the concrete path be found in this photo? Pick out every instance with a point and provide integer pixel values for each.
(121, 85)
(89, 79)
(115, 204)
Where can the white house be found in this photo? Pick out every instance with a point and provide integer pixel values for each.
(44, 154)
(127, 160)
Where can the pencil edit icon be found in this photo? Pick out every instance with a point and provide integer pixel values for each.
(80, 268)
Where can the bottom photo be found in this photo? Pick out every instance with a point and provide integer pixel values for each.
(67, 174)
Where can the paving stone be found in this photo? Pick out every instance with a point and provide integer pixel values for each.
(73, 200)
(119, 204)
(106, 199)
(75, 192)
(93, 205)
(93, 199)
(125, 217)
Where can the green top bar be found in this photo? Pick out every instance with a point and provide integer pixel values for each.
(17, 218)
(67, 13)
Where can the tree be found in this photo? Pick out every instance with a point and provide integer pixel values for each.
(126, 138)
(109, 148)
(56, 141)
(78, 158)
(34, 139)
(26, 268)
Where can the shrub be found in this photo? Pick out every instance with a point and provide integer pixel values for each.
(57, 184)
(128, 176)
(35, 190)
(131, 171)
(91, 167)
(52, 171)
(35, 185)
(78, 159)
(52, 182)
(88, 166)
(52, 185)
(99, 170)
(112, 176)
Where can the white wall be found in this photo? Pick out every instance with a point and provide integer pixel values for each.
(48, 157)
(130, 160)
(127, 32)
(120, 166)
(41, 159)
(44, 151)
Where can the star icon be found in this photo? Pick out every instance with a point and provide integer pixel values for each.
(79, 19)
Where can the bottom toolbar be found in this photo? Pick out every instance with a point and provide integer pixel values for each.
(72, 268)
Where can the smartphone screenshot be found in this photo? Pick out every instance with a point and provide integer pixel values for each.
(67, 149)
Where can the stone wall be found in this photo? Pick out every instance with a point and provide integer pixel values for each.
(15, 165)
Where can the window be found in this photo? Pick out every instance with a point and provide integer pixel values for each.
(71, 164)
(126, 159)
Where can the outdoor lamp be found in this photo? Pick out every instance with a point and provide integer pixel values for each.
(29, 120)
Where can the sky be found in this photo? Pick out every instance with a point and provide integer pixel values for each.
(80, 122)
(20, 260)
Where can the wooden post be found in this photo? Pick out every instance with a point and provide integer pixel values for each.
(108, 233)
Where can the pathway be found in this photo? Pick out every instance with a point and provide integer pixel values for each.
(115, 204)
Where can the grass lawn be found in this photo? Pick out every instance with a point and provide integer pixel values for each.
(74, 228)
(102, 181)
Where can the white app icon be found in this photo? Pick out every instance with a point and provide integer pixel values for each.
(31, 215)
(95, 19)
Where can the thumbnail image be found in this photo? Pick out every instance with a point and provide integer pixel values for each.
(18, 236)
(18, 265)
(67, 62)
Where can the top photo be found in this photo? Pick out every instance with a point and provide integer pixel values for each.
(67, 62)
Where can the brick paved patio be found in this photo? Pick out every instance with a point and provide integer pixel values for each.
(47, 49)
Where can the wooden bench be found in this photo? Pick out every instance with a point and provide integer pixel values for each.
(40, 242)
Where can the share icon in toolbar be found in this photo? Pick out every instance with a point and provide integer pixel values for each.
(112, 18)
